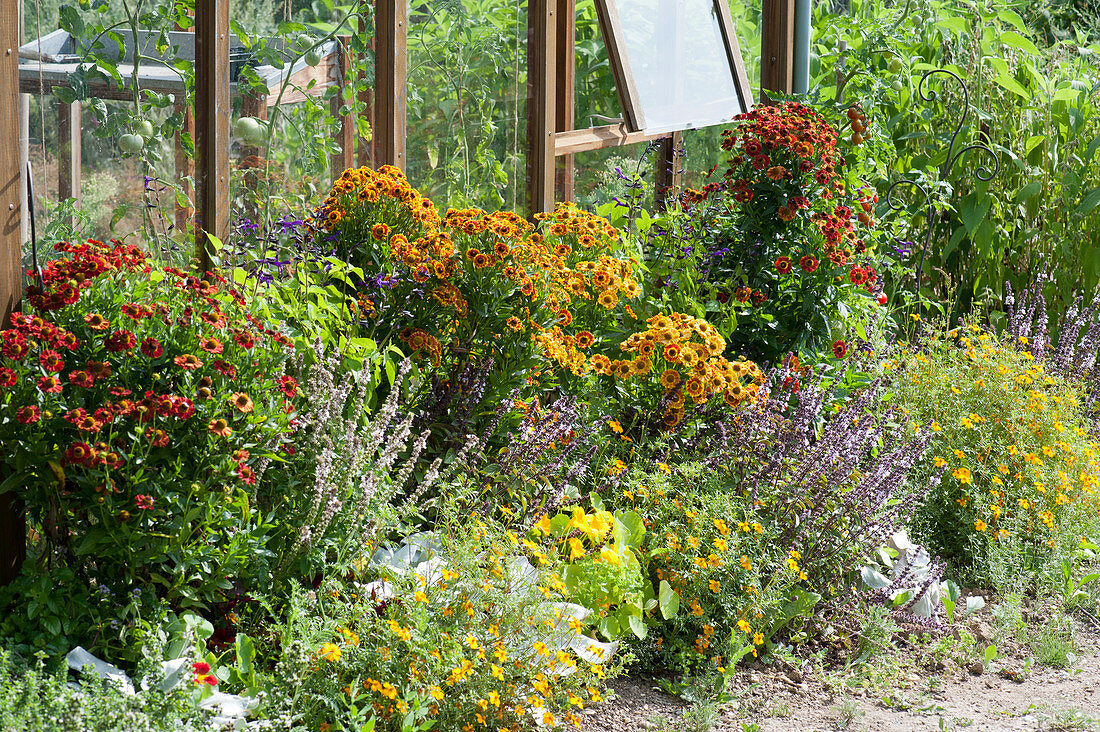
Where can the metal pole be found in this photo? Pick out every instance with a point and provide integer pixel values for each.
(801, 78)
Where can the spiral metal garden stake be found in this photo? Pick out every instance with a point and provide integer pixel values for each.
(982, 172)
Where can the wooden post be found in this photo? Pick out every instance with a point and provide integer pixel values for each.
(212, 111)
(541, 105)
(13, 527)
(364, 153)
(390, 67)
(566, 53)
(343, 159)
(68, 154)
(668, 174)
(777, 46)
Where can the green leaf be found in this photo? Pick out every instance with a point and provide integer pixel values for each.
(1091, 150)
(637, 625)
(1012, 18)
(973, 210)
(71, 20)
(246, 652)
(1015, 40)
(1088, 203)
(668, 601)
(1063, 95)
(65, 94)
(1028, 191)
(629, 529)
(1009, 82)
(955, 24)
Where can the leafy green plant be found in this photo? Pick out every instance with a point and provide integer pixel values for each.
(1073, 589)
(142, 406)
(1015, 447)
(1053, 642)
(1034, 106)
(38, 699)
(950, 594)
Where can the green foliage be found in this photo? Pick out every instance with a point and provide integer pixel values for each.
(463, 633)
(1053, 642)
(1020, 469)
(35, 699)
(1034, 106)
(721, 584)
(136, 436)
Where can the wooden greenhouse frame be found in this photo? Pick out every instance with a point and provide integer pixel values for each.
(551, 139)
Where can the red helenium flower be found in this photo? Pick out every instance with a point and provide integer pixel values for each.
(28, 415)
(151, 348)
(120, 340)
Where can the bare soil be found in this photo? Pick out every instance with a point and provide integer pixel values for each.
(913, 690)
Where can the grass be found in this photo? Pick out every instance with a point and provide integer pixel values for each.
(1053, 643)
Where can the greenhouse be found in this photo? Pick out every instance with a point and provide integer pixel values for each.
(559, 364)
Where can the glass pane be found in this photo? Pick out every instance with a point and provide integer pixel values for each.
(467, 103)
(676, 54)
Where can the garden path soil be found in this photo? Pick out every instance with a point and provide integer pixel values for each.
(953, 698)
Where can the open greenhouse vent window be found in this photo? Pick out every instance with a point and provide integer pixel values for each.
(676, 63)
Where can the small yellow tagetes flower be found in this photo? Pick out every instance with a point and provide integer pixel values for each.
(330, 652)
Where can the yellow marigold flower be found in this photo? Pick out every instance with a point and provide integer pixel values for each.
(962, 475)
(939, 462)
(330, 652)
(980, 525)
(743, 626)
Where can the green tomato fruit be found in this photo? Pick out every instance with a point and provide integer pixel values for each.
(896, 85)
(895, 65)
(313, 57)
(250, 129)
(144, 128)
(131, 144)
(303, 43)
